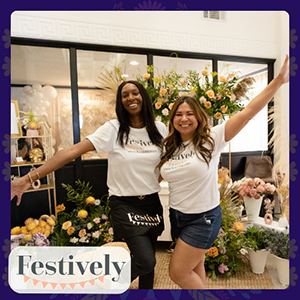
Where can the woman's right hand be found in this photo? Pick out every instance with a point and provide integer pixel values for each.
(18, 187)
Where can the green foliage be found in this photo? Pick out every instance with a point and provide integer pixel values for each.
(94, 229)
(255, 238)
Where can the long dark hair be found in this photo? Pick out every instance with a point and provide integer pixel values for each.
(201, 135)
(147, 115)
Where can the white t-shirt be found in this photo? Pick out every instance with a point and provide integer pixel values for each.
(193, 186)
(131, 169)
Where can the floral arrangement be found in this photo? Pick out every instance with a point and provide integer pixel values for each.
(227, 256)
(254, 188)
(223, 174)
(44, 225)
(89, 224)
(218, 96)
(38, 239)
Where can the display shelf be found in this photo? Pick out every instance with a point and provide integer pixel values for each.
(260, 222)
(44, 142)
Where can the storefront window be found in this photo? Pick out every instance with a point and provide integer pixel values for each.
(259, 124)
(40, 81)
(97, 105)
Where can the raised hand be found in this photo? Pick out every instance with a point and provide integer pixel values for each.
(284, 73)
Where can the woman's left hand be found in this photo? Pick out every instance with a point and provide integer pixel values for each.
(284, 73)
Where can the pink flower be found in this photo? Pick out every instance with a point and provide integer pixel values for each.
(260, 189)
(270, 188)
(222, 268)
(252, 192)
(267, 201)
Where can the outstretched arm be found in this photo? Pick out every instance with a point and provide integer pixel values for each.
(237, 122)
(66, 155)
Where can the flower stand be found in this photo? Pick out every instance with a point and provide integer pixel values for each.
(258, 260)
(252, 207)
(283, 270)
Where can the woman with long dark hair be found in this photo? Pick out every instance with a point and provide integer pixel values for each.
(190, 165)
(134, 144)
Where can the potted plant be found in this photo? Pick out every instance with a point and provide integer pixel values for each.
(278, 242)
(252, 191)
(255, 242)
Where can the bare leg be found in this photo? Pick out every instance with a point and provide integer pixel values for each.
(187, 266)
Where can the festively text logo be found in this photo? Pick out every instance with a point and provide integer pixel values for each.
(69, 270)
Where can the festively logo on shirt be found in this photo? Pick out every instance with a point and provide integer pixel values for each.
(140, 146)
(179, 160)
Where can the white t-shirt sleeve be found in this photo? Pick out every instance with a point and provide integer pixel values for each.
(104, 137)
(161, 128)
(218, 134)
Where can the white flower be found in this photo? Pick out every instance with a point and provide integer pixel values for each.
(202, 100)
(165, 112)
(89, 225)
(158, 118)
(97, 202)
(83, 240)
(74, 240)
(243, 251)
(111, 231)
(96, 234)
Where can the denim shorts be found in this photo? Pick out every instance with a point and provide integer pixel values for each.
(197, 230)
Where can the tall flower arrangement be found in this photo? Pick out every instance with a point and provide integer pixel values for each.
(227, 255)
(218, 96)
(89, 224)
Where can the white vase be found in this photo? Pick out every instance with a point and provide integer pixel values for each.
(283, 270)
(252, 207)
(258, 260)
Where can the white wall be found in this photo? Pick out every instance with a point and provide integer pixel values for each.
(244, 33)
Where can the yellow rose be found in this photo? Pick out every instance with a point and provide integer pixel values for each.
(213, 252)
(90, 200)
(50, 221)
(238, 226)
(210, 94)
(218, 115)
(35, 230)
(24, 230)
(224, 109)
(222, 79)
(71, 230)
(157, 105)
(66, 225)
(60, 208)
(27, 237)
(82, 233)
(146, 76)
(32, 225)
(42, 224)
(171, 105)
(82, 214)
(29, 220)
(207, 104)
(163, 92)
(15, 230)
(205, 72)
(47, 233)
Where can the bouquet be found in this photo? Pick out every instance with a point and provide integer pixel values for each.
(38, 240)
(217, 96)
(254, 188)
(89, 224)
(226, 256)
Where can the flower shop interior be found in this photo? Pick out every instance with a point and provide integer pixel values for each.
(63, 64)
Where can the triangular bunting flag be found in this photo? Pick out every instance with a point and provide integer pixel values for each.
(72, 285)
(35, 282)
(101, 278)
(53, 284)
(92, 282)
(26, 278)
(82, 283)
(63, 285)
(44, 283)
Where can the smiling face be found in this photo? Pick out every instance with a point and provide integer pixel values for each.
(185, 122)
(132, 99)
